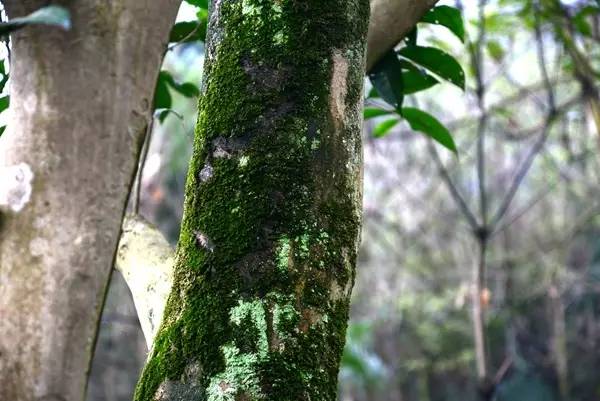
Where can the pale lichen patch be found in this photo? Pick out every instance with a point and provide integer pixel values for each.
(15, 187)
(256, 312)
(39, 247)
(206, 173)
(249, 8)
(203, 241)
(243, 162)
(239, 377)
(284, 254)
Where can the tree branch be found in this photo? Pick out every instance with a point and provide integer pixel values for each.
(390, 21)
(146, 261)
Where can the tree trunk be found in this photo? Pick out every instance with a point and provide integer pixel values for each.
(267, 252)
(80, 102)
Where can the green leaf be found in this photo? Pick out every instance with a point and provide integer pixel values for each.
(372, 93)
(449, 17)
(51, 15)
(384, 128)
(188, 31)
(4, 102)
(580, 20)
(187, 89)
(2, 129)
(386, 77)
(163, 113)
(198, 3)
(416, 80)
(4, 74)
(495, 50)
(429, 125)
(411, 37)
(162, 97)
(437, 61)
(372, 112)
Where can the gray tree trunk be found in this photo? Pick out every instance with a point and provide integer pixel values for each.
(80, 104)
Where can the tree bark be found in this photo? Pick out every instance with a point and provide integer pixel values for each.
(390, 21)
(146, 260)
(267, 252)
(80, 103)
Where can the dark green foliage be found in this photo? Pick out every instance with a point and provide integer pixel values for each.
(198, 3)
(386, 78)
(188, 31)
(429, 125)
(436, 61)
(413, 69)
(449, 17)
(162, 96)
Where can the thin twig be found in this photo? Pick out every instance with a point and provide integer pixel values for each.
(477, 56)
(142, 163)
(454, 192)
(537, 147)
(522, 172)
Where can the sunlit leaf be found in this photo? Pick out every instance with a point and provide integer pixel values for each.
(386, 77)
(429, 125)
(437, 61)
(384, 128)
(449, 17)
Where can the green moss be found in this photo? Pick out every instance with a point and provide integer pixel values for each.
(265, 236)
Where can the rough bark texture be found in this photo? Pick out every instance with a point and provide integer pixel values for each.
(267, 253)
(390, 21)
(80, 101)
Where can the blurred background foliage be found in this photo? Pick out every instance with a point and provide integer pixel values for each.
(481, 204)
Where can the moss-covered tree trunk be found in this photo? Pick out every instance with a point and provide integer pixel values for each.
(267, 253)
